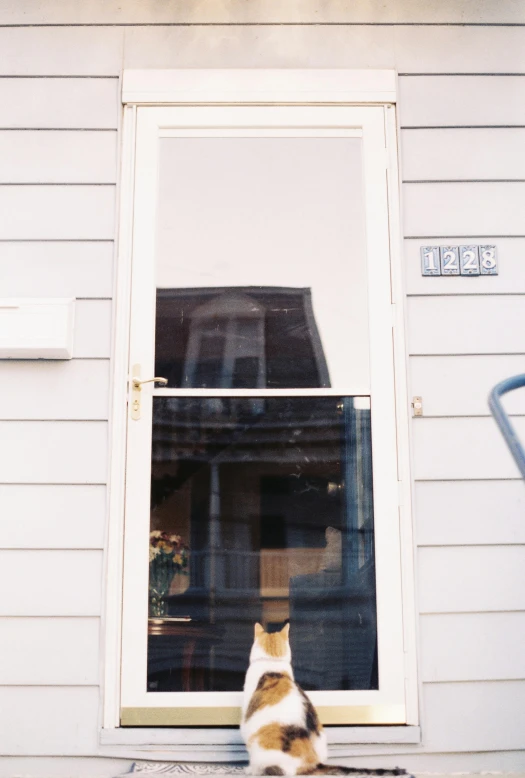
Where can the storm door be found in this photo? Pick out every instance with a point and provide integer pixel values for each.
(261, 471)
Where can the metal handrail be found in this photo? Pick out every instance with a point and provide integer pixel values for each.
(502, 418)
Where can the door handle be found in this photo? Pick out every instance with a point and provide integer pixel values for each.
(136, 389)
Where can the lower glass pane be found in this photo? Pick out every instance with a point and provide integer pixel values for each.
(261, 510)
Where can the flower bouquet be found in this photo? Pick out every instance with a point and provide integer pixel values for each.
(167, 555)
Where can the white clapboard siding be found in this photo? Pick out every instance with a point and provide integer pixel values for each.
(50, 583)
(55, 269)
(449, 101)
(471, 579)
(46, 720)
(460, 385)
(469, 512)
(466, 325)
(52, 212)
(50, 516)
(48, 156)
(49, 651)
(92, 337)
(71, 389)
(510, 280)
(455, 154)
(42, 452)
(371, 11)
(462, 449)
(81, 103)
(472, 646)
(474, 716)
(61, 51)
(459, 208)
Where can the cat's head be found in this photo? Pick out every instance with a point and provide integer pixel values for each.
(271, 645)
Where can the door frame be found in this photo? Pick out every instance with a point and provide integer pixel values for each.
(308, 88)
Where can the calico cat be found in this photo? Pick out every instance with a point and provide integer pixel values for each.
(280, 726)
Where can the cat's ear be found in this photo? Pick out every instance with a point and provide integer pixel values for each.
(258, 630)
(285, 631)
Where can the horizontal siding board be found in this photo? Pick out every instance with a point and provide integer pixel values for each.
(92, 336)
(82, 103)
(472, 647)
(57, 212)
(462, 449)
(44, 157)
(49, 651)
(48, 721)
(54, 269)
(405, 49)
(464, 208)
(261, 11)
(460, 385)
(441, 155)
(49, 516)
(474, 716)
(464, 513)
(55, 390)
(450, 101)
(471, 579)
(466, 325)
(50, 583)
(61, 51)
(59, 452)
(511, 260)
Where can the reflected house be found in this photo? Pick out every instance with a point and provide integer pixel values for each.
(273, 494)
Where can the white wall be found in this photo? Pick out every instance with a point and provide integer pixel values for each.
(462, 163)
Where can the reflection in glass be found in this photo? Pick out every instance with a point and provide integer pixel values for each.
(238, 338)
(271, 501)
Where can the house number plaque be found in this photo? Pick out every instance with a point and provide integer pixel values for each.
(459, 261)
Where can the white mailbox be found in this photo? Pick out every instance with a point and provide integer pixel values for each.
(36, 328)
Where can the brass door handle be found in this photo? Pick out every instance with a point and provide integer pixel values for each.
(136, 390)
(137, 383)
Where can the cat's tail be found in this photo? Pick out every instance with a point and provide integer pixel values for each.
(328, 769)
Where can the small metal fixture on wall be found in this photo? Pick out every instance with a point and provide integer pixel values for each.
(459, 260)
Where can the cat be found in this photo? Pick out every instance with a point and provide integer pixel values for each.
(280, 725)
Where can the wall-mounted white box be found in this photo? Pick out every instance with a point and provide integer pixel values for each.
(36, 328)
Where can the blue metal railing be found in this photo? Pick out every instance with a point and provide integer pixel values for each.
(502, 418)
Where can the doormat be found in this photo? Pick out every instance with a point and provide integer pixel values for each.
(201, 768)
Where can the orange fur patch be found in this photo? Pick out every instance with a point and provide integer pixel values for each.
(273, 643)
(271, 689)
(290, 740)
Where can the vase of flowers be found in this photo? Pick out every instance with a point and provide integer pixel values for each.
(167, 555)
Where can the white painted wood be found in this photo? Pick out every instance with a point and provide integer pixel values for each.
(459, 208)
(47, 516)
(64, 766)
(440, 155)
(59, 102)
(472, 647)
(511, 278)
(469, 512)
(54, 269)
(260, 11)
(474, 716)
(54, 390)
(61, 51)
(466, 325)
(51, 212)
(462, 449)
(92, 329)
(43, 157)
(471, 579)
(40, 720)
(36, 327)
(258, 86)
(50, 583)
(49, 651)
(448, 101)
(403, 48)
(53, 452)
(460, 385)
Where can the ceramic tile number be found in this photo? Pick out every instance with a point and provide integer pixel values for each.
(469, 260)
(430, 262)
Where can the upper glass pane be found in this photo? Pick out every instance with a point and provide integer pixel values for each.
(261, 264)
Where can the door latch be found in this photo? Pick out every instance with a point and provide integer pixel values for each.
(136, 389)
(417, 405)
